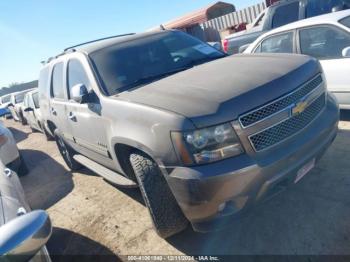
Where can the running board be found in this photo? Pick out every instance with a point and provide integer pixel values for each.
(106, 173)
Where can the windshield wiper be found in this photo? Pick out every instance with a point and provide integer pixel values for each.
(151, 78)
(193, 63)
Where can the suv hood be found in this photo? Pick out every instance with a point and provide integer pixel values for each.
(221, 90)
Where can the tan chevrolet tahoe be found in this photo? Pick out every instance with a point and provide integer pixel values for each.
(204, 135)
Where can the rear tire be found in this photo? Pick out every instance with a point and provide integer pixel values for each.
(67, 154)
(47, 135)
(167, 217)
(22, 119)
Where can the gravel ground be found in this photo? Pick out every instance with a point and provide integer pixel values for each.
(90, 216)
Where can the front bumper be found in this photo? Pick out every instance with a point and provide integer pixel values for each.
(243, 181)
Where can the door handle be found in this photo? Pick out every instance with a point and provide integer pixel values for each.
(72, 117)
(53, 111)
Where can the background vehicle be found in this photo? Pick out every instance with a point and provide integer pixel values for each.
(4, 101)
(9, 154)
(326, 38)
(16, 106)
(23, 234)
(189, 125)
(31, 110)
(279, 14)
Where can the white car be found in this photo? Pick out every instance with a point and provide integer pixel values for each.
(31, 110)
(16, 106)
(9, 154)
(326, 38)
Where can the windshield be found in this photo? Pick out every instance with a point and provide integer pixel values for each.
(346, 21)
(6, 99)
(320, 7)
(127, 65)
(36, 99)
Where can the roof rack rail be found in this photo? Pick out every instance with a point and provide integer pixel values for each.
(93, 41)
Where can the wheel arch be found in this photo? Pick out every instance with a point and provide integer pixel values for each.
(123, 147)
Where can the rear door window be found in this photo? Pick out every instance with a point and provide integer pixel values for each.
(35, 97)
(57, 88)
(345, 21)
(323, 42)
(282, 43)
(285, 14)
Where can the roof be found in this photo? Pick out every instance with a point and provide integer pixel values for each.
(321, 19)
(199, 16)
(103, 43)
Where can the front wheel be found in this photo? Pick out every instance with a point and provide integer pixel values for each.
(167, 217)
(67, 153)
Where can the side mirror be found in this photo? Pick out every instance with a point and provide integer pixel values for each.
(346, 52)
(25, 235)
(216, 45)
(80, 94)
(28, 109)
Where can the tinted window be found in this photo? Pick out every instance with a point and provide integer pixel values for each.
(19, 98)
(278, 44)
(286, 14)
(346, 21)
(6, 99)
(35, 97)
(57, 81)
(76, 75)
(323, 42)
(140, 61)
(25, 102)
(320, 7)
(44, 81)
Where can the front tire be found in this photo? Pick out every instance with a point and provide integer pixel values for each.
(167, 217)
(67, 154)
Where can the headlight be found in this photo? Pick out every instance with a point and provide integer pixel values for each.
(207, 145)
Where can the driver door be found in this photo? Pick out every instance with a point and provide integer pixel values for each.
(89, 129)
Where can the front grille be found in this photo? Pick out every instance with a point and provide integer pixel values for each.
(268, 110)
(282, 131)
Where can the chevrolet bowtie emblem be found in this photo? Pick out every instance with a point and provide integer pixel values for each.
(299, 108)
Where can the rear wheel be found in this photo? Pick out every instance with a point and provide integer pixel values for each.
(22, 119)
(47, 135)
(67, 153)
(166, 214)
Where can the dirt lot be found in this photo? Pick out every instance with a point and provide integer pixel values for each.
(91, 216)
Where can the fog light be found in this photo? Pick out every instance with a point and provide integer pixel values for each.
(221, 207)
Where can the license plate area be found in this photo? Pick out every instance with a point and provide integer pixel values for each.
(305, 170)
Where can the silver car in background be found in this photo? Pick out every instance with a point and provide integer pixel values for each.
(31, 110)
(9, 154)
(16, 106)
(23, 233)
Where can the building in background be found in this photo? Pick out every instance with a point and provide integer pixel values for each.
(209, 22)
(188, 22)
